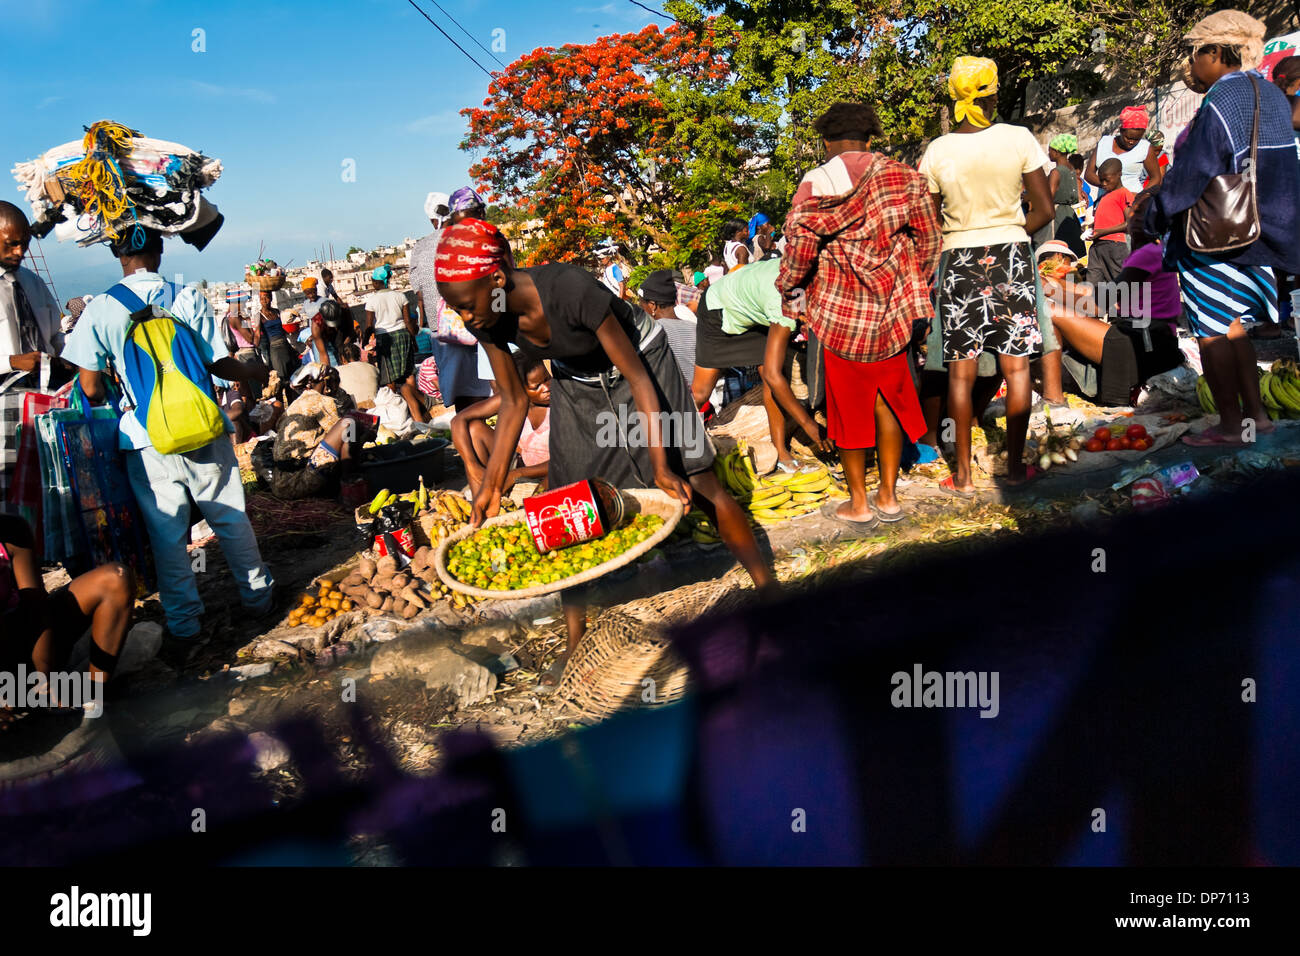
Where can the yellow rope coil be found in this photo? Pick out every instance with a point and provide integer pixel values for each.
(97, 177)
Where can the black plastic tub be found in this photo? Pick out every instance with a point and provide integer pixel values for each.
(401, 473)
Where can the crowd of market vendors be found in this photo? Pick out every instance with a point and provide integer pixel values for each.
(906, 297)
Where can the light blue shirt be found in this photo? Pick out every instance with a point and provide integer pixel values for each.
(100, 337)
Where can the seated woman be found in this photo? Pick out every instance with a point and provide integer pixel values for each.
(1109, 362)
(475, 439)
(400, 404)
(315, 438)
(37, 629)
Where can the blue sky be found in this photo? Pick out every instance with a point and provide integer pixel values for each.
(284, 93)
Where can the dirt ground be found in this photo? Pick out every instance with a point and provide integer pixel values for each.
(222, 692)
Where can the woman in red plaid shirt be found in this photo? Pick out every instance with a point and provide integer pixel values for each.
(862, 240)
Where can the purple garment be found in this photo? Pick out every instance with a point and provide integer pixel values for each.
(1164, 302)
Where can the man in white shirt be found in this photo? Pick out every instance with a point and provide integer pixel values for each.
(30, 320)
(164, 484)
(30, 328)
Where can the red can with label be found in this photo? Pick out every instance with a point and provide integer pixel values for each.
(402, 537)
(579, 512)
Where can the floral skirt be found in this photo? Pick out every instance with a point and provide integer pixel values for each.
(988, 302)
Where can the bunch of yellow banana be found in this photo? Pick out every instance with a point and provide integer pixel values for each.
(452, 505)
(779, 496)
(1279, 387)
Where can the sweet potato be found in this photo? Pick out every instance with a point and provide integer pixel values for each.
(410, 611)
(382, 582)
(386, 565)
(387, 605)
(366, 568)
(398, 606)
(423, 556)
(352, 580)
(411, 596)
(401, 580)
(373, 600)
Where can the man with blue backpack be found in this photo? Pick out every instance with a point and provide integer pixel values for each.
(160, 345)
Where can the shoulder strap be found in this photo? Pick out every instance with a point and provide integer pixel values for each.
(126, 298)
(1254, 128)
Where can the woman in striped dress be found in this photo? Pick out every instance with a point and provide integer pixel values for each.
(1223, 290)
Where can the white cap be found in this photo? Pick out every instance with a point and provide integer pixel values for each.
(311, 370)
(433, 201)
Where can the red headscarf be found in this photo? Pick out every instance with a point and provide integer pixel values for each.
(469, 250)
(1133, 117)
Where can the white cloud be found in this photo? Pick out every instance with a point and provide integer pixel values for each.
(448, 121)
(247, 93)
(48, 101)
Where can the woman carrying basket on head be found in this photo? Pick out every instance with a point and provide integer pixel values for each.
(609, 363)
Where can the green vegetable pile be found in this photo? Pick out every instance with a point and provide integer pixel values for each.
(504, 557)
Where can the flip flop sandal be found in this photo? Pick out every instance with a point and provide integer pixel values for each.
(947, 486)
(1201, 440)
(790, 469)
(885, 516)
(831, 508)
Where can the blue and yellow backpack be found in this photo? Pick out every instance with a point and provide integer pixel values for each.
(169, 382)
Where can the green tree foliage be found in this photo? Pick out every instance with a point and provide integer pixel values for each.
(1144, 40)
(795, 57)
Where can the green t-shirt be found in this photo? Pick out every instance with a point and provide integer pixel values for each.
(748, 297)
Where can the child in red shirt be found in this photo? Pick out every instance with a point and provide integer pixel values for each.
(1110, 226)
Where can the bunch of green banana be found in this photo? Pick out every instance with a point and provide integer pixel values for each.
(736, 471)
(1279, 387)
(699, 527)
(1203, 395)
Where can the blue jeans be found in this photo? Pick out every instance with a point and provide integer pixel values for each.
(211, 476)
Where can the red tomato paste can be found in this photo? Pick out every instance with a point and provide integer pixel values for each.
(582, 511)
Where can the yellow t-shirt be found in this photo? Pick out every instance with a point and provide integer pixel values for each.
(979, 176)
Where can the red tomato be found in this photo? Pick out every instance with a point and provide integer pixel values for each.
(1142, 444)
(1095, 444)
(1116, 445)
(1102, 433)
(1136, 431)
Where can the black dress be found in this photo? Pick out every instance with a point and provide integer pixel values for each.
(595, 427)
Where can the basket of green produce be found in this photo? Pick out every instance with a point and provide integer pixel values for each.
(500, 560)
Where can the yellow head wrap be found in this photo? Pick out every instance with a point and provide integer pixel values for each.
(309, 282)
(971, 78)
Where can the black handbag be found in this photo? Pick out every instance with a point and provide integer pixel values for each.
(1226, 217)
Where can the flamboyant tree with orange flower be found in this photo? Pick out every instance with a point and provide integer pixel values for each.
(634, 136)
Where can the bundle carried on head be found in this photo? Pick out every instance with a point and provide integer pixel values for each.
(114, 184)
(265, 274)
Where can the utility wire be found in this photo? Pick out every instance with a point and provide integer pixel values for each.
(489, 73)
(467, 33)
(657, 13)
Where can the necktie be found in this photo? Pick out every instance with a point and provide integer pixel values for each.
(29, 331)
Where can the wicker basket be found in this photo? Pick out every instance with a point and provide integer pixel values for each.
(653, 502)
(627, 645)
(265, 283)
